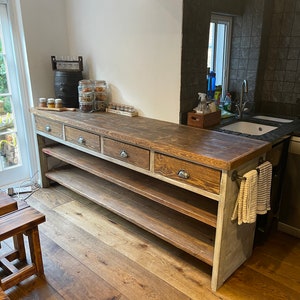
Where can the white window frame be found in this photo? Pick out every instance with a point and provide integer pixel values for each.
(24, 85)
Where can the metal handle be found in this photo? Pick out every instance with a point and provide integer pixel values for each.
(123, 154)
(81, 140)
(48, 128)
(183, 174)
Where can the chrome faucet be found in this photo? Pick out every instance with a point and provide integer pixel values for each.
(241, 103)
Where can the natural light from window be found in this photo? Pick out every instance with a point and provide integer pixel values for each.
(219, 51)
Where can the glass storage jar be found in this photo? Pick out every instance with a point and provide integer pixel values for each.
(100, 95)
(42, 102)
(85, 90)
(85, 106)
(99, 105)
(50, 103)
(58, 103)
(101, 90)
(85, 86)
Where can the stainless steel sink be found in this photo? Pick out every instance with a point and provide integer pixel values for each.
(267, 118)
(249, 128)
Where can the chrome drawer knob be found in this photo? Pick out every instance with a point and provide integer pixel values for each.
(48, 128)
(123, 154)
(81, 140)
(183, 174)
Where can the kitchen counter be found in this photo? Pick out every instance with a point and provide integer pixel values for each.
(207, 147)
(173, 180)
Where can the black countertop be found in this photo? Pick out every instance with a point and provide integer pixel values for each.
(284, 129)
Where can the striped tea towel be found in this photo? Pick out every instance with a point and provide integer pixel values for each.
(246, 204)
(264, 187)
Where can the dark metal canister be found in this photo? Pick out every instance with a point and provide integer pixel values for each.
(66, 87)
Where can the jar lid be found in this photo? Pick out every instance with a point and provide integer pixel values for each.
(42, 99)
(58, 100)
(85, 82)
(100, 82)
(50, 100)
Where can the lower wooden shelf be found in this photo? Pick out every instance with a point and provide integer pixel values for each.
(188, 203)
(187, 234)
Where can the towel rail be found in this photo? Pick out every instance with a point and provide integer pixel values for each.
(235, 175)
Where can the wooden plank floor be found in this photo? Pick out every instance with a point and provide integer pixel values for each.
(90, 253)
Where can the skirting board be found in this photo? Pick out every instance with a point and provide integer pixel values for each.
(289, 229)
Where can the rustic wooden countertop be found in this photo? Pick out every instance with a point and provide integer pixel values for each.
(210, 148)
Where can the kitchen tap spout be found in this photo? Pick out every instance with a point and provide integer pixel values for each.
(241, 103)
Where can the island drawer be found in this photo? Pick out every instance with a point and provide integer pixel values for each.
(127, 153)
(200, 176)
(82, 138)
(50, 127)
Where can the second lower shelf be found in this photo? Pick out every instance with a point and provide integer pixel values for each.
(185, 233)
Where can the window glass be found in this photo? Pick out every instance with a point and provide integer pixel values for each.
(14, 163)
(218, 55)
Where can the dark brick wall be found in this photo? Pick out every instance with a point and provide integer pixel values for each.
(280, 92)
(265, 51)
(246, 48)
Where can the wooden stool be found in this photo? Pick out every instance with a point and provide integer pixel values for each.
(15, 225)
(7, 204)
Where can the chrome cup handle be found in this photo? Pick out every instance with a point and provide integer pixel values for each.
(81, 140)
(183, 174)
(123, 154)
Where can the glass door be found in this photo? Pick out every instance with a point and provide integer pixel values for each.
(14, 162)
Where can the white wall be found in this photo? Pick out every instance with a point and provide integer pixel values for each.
(45, 34)
(133, 44)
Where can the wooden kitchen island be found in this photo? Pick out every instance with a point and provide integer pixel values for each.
(171, 180)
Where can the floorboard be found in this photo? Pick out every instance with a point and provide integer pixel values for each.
(90, 253)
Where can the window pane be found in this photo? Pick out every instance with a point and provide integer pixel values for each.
(3, 76)
(9, 151)
(14, 155)
(9, 154)
(6, 116)
(219, 51)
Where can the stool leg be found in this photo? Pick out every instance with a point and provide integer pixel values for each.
(19, 245)
(35, 250)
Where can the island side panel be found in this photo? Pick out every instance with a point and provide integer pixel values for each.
(233, 243)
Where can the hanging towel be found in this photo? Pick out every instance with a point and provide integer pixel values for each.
(264, 187)
(246, 204)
